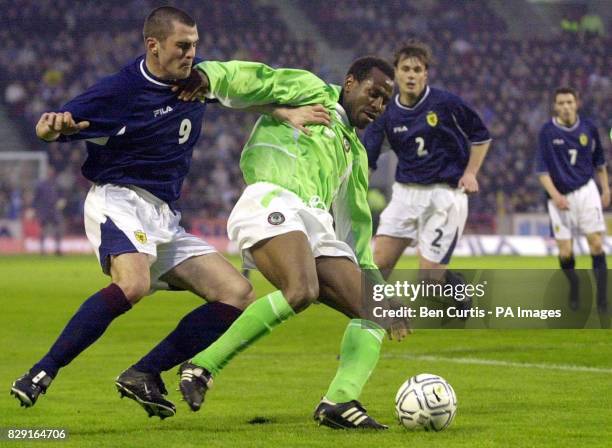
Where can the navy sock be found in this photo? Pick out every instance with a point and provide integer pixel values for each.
(568, 265)
(196, 331)
(454, 279)
(85, 327)
(600, 269)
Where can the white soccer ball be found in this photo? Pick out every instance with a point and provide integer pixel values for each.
(426, 401)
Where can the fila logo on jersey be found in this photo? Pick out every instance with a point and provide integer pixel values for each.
(397, 129)
(558, 141)
(162, 111)
(276, 218)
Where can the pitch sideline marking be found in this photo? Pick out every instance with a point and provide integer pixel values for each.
(496, 362)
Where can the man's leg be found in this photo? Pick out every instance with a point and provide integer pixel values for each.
(130, 282)
(600, 269)
(568, 265)
(387, 251)
(398, 227)
(341, 288)
(213, 278)
(439, 230)
(227, 292)
(438, 272)
(286, 261)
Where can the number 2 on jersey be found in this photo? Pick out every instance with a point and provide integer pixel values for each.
(184, 131)
(436, 241)
(421, 151)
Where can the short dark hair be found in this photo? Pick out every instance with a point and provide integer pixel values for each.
(413, 49)
(158, 23)
(565, 90)
(361, 68)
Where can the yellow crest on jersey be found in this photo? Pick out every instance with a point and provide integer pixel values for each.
(583, 139)
(432, 118)
(141, 237)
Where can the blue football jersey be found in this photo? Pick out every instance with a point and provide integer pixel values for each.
(569, 155)
(431, 139)
(140, 134)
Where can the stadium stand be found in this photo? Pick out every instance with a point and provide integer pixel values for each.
(507, 80)
(52, 51)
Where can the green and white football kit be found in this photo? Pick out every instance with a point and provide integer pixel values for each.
(316, 184)
(296, 181)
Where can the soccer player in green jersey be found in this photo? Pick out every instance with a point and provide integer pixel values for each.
(303, 219)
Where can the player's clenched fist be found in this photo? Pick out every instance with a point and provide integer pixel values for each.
(469, 183)
(53, 124)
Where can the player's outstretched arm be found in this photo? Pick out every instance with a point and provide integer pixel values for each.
(241, 84)
(295, 116)
(477, 155)
(53, 124)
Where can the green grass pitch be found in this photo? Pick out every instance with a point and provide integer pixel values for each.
(544, 388)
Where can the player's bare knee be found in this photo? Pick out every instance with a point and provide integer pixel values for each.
(565, 253)
(134, 289)
(595, 244)
(238, 294)
(301, 295)
(596, 248)
(383, 263)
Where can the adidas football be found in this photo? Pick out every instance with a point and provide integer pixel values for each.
(426, 401)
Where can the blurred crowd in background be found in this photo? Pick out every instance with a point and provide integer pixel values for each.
(53, 50)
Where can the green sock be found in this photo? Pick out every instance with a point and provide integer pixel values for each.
(359, 353)
(258, 319)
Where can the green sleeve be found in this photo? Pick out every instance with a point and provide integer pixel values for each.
(240, 84)
(361, 217)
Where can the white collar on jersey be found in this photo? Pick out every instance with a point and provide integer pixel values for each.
(149, 77)
(565, 128)
(400, 105)
(342, 114)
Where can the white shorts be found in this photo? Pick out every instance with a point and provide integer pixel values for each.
(431, 216)
(584, 216)
(129, 219)
(266, 210)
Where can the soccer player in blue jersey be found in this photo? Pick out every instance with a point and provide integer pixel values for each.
(569, 153)
(440, 143)
(140, 137)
